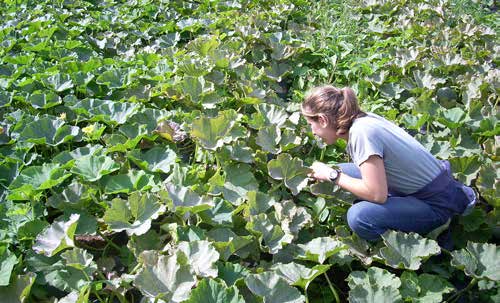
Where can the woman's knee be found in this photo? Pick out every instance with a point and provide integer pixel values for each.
(360, 221)
(355, 216)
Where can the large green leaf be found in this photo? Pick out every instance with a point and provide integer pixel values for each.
(424, 288)
(117, 112)
(441, 149)
(290, 170)
(92, 168)
(268, 138)
(237, 151)
(488, 183)
(194, 69)
(213, 132)
(291, 217)
(80, 259)
(289, 140)
(374, 286)
(39, 177)
(7, 262)
(273, 288)
(133, 180)
(58, 82)
(148, 241)
(134, 215)
(479, 260)
(58, 236)
(324, 188)
(277, 70)
(157, 159)
(231, 273)
(319, 249)
(50, 132)
(163, 276)
(228, 243)
(259, 202)
(45, 100)
(117, 142)
(270, 232)
(36, 178)
(184, 199)
(465, 168)
(209, 291)
(220, 214)
(73, 197)
(298, 274)
(407, 250)
(19, 289)
(201, 257)
(357, 246)
(113, 78)
(196, 87)
(67, 157)
(5, 98)
(239, 180)
(269, 114)
(453, 118)
(426, 80)
(105, 110)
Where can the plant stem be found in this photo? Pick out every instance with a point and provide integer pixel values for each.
(275, 188)
(334, 292)
(120, 297)
(136, 268)
(98, 297)
(458, 294)
(108, 241)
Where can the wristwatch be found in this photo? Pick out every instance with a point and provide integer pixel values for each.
(335, 174)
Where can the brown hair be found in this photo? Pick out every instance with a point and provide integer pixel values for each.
(339, 105)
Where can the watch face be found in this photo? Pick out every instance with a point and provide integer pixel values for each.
(333, 175)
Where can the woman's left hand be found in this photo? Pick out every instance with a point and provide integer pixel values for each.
(321, 171)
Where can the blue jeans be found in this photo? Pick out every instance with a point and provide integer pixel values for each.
(369, 220)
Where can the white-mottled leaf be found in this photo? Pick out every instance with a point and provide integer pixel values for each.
(201, 257)
(58, 236)
(298, 274)
(270, 232)
(319, 249)
(134, 215)
(290, 170)
(424, 288)
(478, 260)
(292, 218)
(184, 199)
(163, 276)
(18, 289)
(374, 286)
(407, 250)
(273, 288)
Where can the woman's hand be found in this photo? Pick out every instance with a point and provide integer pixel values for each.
(321, 171)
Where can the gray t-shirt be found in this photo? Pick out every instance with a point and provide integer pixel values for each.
(408, 165)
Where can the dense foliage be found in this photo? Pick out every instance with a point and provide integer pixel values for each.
(152, 151)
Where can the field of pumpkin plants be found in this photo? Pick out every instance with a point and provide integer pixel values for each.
(153, 150)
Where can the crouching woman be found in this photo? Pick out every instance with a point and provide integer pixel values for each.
(400, 184)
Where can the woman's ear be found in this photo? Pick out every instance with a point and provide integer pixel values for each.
(323, 120)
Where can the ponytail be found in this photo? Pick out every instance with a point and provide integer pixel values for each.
(339, 105)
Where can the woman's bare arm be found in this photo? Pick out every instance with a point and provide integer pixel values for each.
(371, 187)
